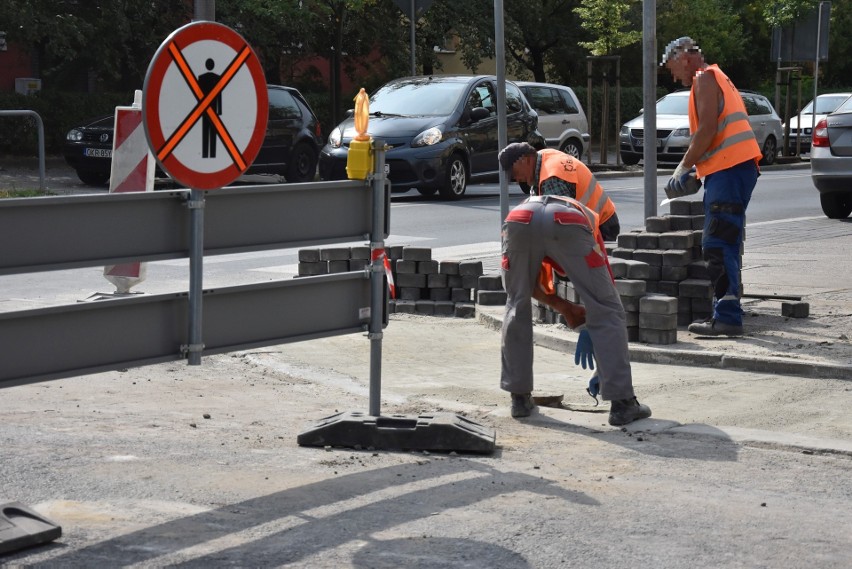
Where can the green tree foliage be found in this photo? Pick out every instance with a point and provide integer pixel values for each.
(779, 13)
(607, 21)
(109, 41)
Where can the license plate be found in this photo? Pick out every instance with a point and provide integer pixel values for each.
(97, 152)
(641, 142)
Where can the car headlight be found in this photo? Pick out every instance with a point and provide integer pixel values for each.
(335, 138)
(680, 132)
(74, 135)
(428, 137)
(625, 131)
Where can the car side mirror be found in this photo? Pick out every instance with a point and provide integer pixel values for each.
(478, 114)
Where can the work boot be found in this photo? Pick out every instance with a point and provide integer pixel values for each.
(522, 405)
(626, 411)
(713, 327)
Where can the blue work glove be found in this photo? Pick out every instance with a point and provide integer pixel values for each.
(594, 387)
(585, 353)
(684, 182)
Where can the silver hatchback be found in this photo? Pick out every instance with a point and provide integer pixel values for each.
(561, 119)
(831, 161)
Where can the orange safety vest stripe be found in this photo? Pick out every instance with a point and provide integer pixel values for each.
(553, 163)
(734, 141)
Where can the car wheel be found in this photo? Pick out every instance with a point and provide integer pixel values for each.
(427, 191)
(629, 159)
(303, 164)
(836, 205)
(524, 187)
(770, 150)
(92, 178)
(455, 178)
(572, 146)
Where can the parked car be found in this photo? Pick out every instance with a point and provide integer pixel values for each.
(831, 161)
(673, 128)
(825, 104)
(290, 148)
(561, 119)
(441, 132)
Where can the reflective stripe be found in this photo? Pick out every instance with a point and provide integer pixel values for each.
(520, 215)
(730, 141)
(730, 119)
(571, 217)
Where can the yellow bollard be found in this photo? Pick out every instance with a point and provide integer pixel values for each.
(359, 162)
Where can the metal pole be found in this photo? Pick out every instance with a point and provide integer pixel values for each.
(649, 101)
(204, 10)
(502, 135)
(589, 100)
(816, 67)
(377, 278)
(196, 273)
(413, 13)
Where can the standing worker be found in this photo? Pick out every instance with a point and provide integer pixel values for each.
(565, 232)
(725, 153)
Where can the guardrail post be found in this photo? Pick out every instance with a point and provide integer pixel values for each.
(377, 275)
(196, 273)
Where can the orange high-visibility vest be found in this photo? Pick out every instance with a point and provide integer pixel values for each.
(551, 162)
(734, 142)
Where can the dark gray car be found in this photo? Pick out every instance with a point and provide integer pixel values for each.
(441, 132)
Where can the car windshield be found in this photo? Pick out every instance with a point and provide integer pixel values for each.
(846, 107)
(673, 106)
(417, 98)
(825, 104)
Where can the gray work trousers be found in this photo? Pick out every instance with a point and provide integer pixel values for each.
(558, 230)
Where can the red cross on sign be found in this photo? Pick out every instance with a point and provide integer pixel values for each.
(205, 105)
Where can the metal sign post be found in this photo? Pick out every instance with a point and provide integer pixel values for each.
(205, 115)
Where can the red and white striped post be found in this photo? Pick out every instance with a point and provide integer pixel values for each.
(132, 171)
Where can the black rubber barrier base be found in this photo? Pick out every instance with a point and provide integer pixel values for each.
(21, 527)
(429, 431)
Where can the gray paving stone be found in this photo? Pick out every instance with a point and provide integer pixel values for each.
(417, 254)
(658, 321)
(653, 304)
(309, 255)
(449, 267)
(649, 336)
(334, 254)
(465, 310)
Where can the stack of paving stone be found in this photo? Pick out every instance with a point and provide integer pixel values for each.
(423, 285)
(671, 247)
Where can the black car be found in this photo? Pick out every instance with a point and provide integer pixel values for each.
(290, 148)
(441, 132)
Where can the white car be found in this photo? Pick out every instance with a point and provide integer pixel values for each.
(826, 104)
(561, 120)
(673, 136)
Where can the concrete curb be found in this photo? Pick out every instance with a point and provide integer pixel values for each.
(655, 355)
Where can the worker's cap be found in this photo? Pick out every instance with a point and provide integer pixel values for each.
(678, 46)
(512, 152)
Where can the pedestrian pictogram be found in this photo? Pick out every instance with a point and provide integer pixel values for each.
(205, 105)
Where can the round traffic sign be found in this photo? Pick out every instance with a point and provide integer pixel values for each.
(205, 105)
